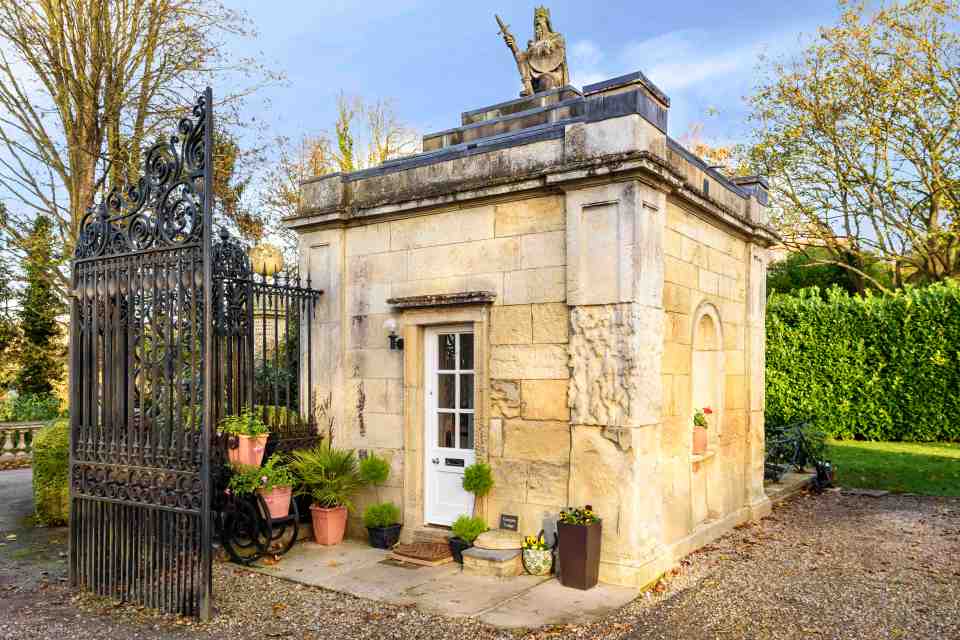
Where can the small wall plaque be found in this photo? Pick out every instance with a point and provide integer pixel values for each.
(508, 522)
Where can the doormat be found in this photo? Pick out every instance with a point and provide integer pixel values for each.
(428, 554)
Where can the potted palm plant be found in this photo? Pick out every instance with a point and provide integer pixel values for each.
(273, 481)
(465, 530)
(578, 534)
(382, 519)
(251, 435)
(330, 477)
(700, 431)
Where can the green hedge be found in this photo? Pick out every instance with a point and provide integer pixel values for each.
(51, 461)
(874, 368)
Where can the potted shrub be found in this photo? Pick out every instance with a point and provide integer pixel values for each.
(330, 477)
(273, 481)
(465, 530)
(700, 431)
(537, 556)
(478, 480)
(251, 434)
(578, 534)
(382, 521)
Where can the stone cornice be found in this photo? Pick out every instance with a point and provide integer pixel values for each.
(443, 299)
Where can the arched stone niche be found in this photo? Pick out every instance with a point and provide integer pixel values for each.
(706, 389)
(706, 371)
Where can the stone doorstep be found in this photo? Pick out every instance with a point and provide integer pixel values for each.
(502, 563)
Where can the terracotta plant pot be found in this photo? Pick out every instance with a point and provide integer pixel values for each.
(579, 556)
(278, 501)
(329, 525)
(384, 537)
(249, 450)
(699, 441)
(457, 547)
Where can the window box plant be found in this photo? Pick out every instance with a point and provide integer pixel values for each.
(700, 431)
(578, 534)
(537, 556)
(465, 530)
(249, 433)
(382, 521)
(330, 477)
(274, 482)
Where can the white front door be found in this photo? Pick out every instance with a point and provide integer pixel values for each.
(449, 422)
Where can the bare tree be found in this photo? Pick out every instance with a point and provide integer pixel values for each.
(860, 136)
(86, 85)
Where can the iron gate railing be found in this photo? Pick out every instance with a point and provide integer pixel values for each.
(163, 345)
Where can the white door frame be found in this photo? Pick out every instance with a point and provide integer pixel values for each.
(444, 460)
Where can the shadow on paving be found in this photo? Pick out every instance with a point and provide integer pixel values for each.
(831, 566)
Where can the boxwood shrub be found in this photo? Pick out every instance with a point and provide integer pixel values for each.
(872, 368)
(51, 460)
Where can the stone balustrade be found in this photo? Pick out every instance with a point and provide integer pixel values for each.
(16, 443)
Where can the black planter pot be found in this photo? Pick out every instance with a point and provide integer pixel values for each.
(579, 555)
(457, 547)
(384, 537)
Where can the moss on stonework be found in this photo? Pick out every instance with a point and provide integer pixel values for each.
(51, 462)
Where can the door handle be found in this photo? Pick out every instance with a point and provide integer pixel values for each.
(435, 461)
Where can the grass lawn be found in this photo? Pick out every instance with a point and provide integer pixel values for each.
(904, 467)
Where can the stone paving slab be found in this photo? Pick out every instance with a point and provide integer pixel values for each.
(522, 601)
(552, 603)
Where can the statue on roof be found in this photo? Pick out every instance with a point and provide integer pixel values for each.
(543, 66)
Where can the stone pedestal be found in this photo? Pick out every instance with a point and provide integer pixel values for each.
(502, 563)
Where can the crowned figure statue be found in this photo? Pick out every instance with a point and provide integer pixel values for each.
(543, 66)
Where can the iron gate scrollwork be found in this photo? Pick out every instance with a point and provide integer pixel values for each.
(140, 525)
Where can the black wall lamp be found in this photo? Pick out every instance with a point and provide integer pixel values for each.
(396, 342)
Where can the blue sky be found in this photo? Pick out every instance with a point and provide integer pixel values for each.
(435, 59)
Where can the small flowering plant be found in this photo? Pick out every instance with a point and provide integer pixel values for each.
(537, 543)
(246, 479)
(583, 517)
(700, 417)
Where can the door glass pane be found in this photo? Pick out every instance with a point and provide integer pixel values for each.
(447, 351)
(466, 431)
(446, 396)
(447, 433)
(466, 351)
(466, 391)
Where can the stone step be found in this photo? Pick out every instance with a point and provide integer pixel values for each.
(502, 563)
(431, 534)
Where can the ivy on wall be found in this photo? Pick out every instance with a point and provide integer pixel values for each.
(874, 368)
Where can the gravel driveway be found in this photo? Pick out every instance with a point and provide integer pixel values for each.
(833, 566)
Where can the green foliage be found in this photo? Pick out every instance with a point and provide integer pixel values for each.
(247, 478)
(383, 514)
(41, 357)
(585, 516)
(30, 407)
(51, 466)
(906, 467)
(800, 271)
(870, 368)
(468, 528)
(374, 470)
(330, 476)
(478, 479)
(700, 417)
(246, 423)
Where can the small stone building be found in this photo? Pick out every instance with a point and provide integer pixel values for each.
(569, 284)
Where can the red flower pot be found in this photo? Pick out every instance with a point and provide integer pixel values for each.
(278, 501)
(329, 525)
(699, 441)
(249, 450)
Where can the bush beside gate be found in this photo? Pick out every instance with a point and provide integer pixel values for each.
(874, 368)
(51, 470)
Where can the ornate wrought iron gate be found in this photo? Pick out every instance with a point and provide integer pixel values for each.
(141, 375)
